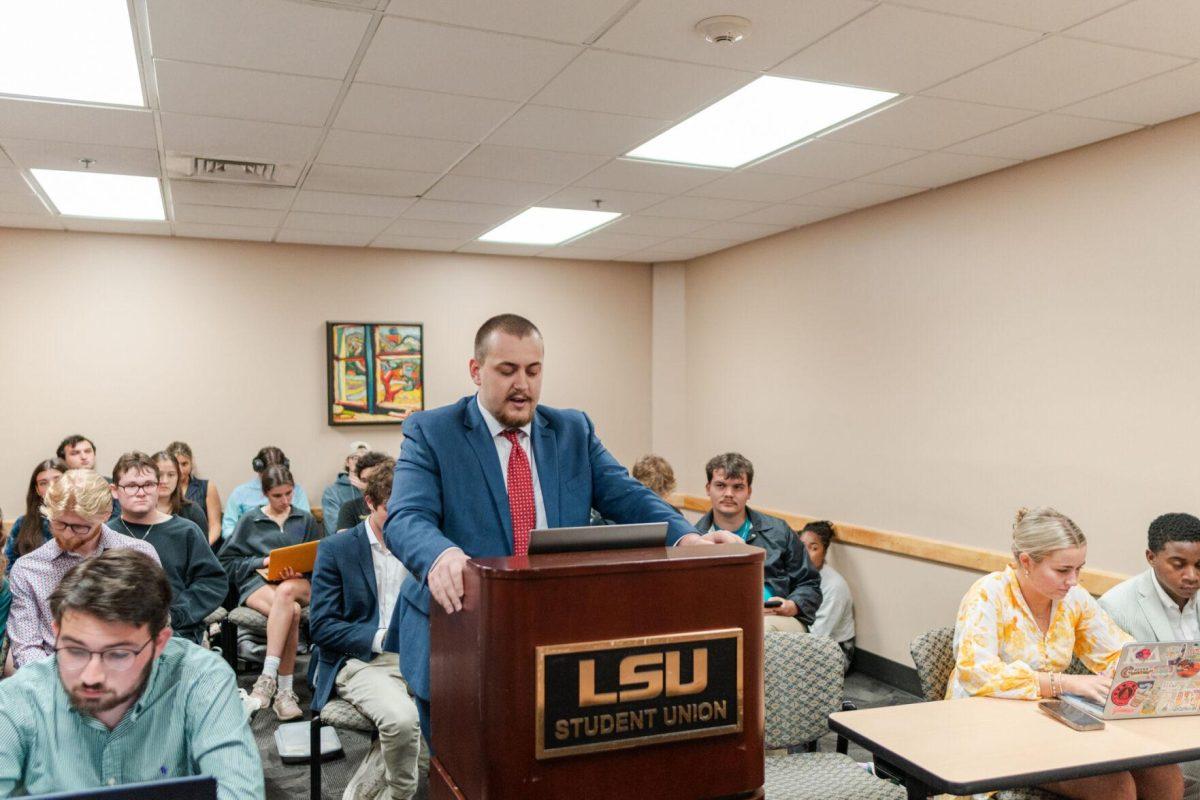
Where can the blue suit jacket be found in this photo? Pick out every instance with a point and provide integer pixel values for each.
(449, 492)
(344, 608)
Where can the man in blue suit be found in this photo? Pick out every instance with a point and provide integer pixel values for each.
(355, 585)
(474, 477)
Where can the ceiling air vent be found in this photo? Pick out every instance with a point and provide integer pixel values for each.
(228, 170)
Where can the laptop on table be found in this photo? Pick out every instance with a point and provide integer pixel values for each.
(1151, 679)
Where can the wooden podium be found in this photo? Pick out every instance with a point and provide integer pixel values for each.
(614, 674)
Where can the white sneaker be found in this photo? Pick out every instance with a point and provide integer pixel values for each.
(369, 781)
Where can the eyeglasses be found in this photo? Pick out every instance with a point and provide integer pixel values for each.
(119, 659)
(78, 530)
(138, 488)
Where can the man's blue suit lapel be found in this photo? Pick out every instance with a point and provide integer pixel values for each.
(545, 455)
(365, 562)
(485, 450)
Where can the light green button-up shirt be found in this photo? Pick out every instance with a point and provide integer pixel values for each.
(188, 721)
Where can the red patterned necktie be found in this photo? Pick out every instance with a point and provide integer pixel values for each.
(521, 507)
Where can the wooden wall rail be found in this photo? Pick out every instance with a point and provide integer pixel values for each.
(1096, 581)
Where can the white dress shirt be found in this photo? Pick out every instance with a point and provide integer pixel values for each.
(1185, 625)
(389, 574)
(504, 449)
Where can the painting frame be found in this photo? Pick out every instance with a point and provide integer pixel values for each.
(363, 362)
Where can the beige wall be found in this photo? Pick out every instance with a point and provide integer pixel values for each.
(928, 366)
(139, 340)
(668, 384)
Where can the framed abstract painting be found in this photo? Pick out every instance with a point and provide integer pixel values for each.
(376, 372)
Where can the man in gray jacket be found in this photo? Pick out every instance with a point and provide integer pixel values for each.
(1159, 605)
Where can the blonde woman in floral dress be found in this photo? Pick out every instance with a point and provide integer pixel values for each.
(1018, 629)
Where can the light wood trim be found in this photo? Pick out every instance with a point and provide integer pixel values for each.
(1096, 581)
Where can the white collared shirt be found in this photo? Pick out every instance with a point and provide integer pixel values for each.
(389, 574)
(504, 449)
(1185, 625)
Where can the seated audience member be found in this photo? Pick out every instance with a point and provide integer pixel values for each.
(356, 510)
(835, 617)
(199, 490)
(198, 583)
(655, 473)
(77, 504)
(78, 452)
(24, 538)
(354, 589)
(343, 489)
(251, 494)
(247, 550)
(123, 701)
(1018, 629)
(171, 499)
(1159, 605)
(5, 600)
(788, 574)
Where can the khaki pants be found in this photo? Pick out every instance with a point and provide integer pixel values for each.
(377, 690)
(774, 622)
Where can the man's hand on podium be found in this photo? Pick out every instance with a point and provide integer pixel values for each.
(445, 579)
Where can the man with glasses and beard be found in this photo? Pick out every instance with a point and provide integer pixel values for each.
(77, 505)
(122, 701)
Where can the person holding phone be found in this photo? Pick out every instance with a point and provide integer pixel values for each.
(1017, 631)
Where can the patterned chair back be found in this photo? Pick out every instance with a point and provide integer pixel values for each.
(802, 686)
(933, 655)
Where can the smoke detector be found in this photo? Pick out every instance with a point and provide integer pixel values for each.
(724, 29)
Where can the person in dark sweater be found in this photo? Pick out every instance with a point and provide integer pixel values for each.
(345, 487)
(355, 511)
(198, 583)
(170, 493)
(24, 538)
(199, 490)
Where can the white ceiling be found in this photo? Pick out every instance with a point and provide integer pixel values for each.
(420, 125)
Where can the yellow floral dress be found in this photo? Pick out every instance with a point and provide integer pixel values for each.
(998, 648)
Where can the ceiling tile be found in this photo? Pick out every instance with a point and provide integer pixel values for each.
(656, 226)
(501, 249)
(574, 131)
(624, 242)
(423, 55)
(334, 238)
(361, 180)
(761, 186)
(1043, 135)
(1037, 15)
(858, 194)
(186, 134)
(488, 190)
(694, 247)
(24, 203)
(791, 215)
(117, 226)
(342, 223)
(227, 215)
(547, 19)
(939, 169)
(433, 229)
(654, 255)
(666, 29)
(1158, 99)
(702, 208)
(204, 231)
(741, 231)
(43, 221)
(585, 197)
(61, 122)
(31, 153)
(876, 50)
(519, 163)
(829, 158)
(1054, 72)
(1168, 26)
(11, 181)
(583, 252)
(363, 205)
(243, 93)
(5, 161)
(223, 194)
(928, 123)
(631, 175)
(272, 35)
(449, 211)
(354, 149)
(637, 86)
(387, 109)
(417, 243)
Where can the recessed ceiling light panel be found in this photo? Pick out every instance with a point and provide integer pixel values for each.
(548, 226)
(763, 116)
(102, 194)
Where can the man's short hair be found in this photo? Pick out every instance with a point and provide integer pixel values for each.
(379, 488)
(116, 586)
(135, 460)
(372, 458)
(655, 473)
(1173, 528)
(512, 324)
(82, 491)
(71, 441)
(734, 465)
